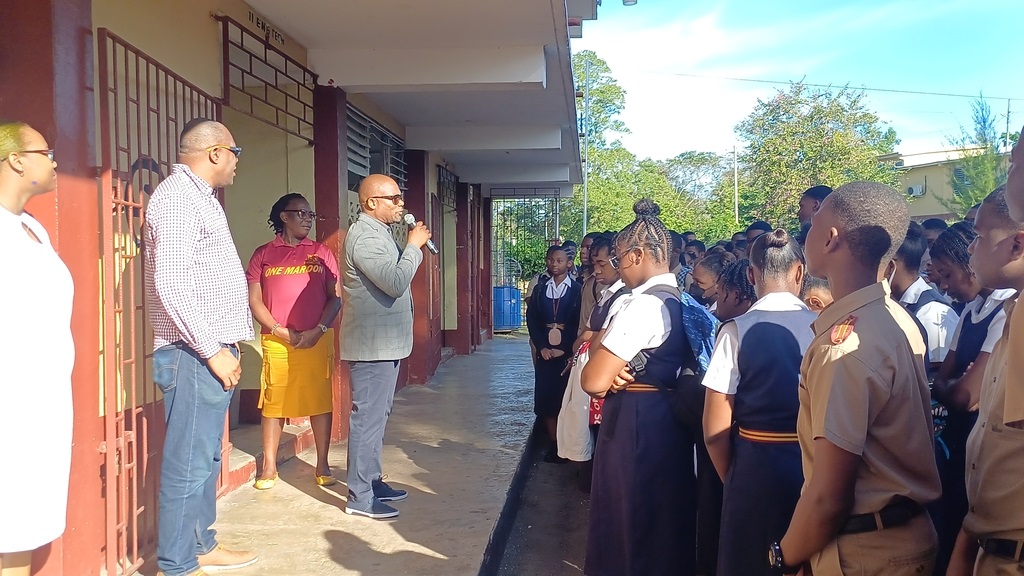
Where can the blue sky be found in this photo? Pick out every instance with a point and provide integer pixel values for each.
(952, 46)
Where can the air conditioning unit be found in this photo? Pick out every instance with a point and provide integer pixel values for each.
(915, 191)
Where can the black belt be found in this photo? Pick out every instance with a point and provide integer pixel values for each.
(894, 514)
(1009, 549)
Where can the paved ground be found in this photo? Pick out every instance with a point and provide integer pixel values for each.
(453, 445)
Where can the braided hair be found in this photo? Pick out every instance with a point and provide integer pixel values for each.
(647, 231)
(715, 262)
(734, 277)
(952, 244)
(278, 208)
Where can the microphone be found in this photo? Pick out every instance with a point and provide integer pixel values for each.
(410, 220)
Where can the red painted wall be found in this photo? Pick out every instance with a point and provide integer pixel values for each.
(47, 78)
(330, 182)
(427, 335)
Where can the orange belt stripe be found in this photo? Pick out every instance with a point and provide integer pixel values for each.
(768, 437)
(635, 387)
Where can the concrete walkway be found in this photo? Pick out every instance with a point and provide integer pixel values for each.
(453, 444)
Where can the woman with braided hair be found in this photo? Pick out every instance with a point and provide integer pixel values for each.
(751, 406)
(735, 292)
(642, 514)
(958, 383)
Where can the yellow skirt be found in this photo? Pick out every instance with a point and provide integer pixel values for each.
(296, 382)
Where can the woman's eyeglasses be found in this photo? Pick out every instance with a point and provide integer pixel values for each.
(303, 214)
(236, 150)
(47, 153)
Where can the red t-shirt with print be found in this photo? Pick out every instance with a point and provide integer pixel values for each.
(295, 280)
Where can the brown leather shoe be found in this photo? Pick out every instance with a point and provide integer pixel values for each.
(220, 558)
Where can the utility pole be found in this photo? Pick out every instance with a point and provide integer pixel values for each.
(1007, 136)
(586, 140)
(735, 186)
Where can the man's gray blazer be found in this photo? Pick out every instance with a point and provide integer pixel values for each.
(377, 319)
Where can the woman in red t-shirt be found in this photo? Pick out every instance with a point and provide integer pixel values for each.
(294, 292)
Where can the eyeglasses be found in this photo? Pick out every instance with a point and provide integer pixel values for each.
(393, 199)
(236, 150)
(48, 153)
(303, 214)
(615, 260)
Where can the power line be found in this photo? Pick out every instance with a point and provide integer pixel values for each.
(863, 88)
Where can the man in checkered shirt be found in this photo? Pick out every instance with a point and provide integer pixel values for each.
(198, 305)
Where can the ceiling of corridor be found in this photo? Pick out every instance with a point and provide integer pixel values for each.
(486, 82)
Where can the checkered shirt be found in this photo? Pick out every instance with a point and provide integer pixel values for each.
(195, 285)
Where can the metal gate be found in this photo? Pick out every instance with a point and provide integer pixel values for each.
(143, 107)
(522, 229)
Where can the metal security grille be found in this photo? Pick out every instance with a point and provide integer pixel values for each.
(447, 184)
(523, 228)
(143, 107)
(263, 82)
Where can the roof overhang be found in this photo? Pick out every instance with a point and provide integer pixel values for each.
(487, 84)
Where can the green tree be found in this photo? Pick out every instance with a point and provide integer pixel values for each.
(693, 173)
(803, 137)
(607, 98)
(982, 167)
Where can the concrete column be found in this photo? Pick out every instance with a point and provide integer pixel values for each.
(46, 69)
(330, 183)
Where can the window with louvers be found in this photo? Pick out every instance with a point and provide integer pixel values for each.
(373, 149)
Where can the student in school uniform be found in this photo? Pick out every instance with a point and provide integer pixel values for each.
(642, 508)
(704, 288)
(735, 292)
(580, 414)
(865, 425)
(959, 380)
(816, 293)
(552, 319)
(992, 538)
(751, 406)
(935, 317)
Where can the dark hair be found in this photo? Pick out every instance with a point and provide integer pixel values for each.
(688, 233)
(568, 243)
(590, 235)
(553, 249)
(774, 253)
(911, 252)
(718, 249)
(952, 244)
(715, 262)
(934, 224)
(647, 230)
(697, 243)
(602, 241)
(814, 283)
(278, 208)
(759, 225)
(997, 200)
(874, 220)
(819, 192)
(734, 277)
(677, 240)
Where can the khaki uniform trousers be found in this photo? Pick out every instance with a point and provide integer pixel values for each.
(907, 550)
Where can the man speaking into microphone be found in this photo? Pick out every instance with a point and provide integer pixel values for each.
(376, 330)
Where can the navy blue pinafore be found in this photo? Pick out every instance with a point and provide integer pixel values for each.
(642, 504)
(765, 475)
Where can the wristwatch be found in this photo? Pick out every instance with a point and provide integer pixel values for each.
(323, 329)
(777, 562)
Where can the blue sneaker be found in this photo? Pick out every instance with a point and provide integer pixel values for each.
(385, 493)
(372, 509)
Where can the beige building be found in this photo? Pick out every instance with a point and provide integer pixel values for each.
(924, 177)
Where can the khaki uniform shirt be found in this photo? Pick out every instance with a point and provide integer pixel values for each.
(588, 299)
(995, 451)
(1013, 411)
(863, 388)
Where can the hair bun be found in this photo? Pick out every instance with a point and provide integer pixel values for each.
(777, 239)
(646, 207)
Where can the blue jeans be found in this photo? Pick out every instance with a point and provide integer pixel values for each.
(195, 404)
